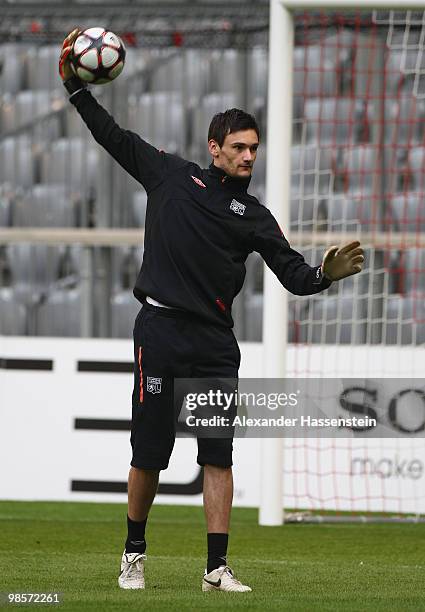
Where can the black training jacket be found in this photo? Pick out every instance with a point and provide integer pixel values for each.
(201, 225)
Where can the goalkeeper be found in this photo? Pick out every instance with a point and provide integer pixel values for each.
(201, 224)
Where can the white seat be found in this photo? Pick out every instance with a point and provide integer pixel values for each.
(314, 73)
(160, 119)
(42, 68)
(258, 64)
(60, 314)
(168, 76)
(140, 200)
(124, 309)
(308, 213)
(225, 70)
(352, 213)
(311, 170)
(12, 314)
(11, 67)
(72, 162)
(336, 319)
(126, 263)
(335, 120)
(412, 266)
(403, 119)
(45, 206)
(24, 107)
(6, 202)
(359, 163)
(416, 168)
(17, 162)
(210, 105)
(404, 320)
(406, 213)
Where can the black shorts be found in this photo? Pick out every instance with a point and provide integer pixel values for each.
(171, 344)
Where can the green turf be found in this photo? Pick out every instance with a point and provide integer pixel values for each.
(75, 549)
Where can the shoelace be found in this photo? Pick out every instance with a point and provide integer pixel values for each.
(129, 571)
(230, 573)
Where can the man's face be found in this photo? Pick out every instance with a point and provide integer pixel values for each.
(237, 155)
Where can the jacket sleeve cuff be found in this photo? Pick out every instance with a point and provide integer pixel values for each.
(320, 279)
(74, 85)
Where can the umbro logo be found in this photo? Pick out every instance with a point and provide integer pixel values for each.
(237, 207)
(198, 182)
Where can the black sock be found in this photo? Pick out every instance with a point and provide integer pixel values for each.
(217, 550)
(136, 536)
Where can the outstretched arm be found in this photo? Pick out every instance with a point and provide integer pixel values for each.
(143, 161)
(290, 267)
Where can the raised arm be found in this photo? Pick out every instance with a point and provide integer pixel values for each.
(290, 267)
(143, 161)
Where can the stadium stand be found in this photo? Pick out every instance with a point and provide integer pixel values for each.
(343, 146)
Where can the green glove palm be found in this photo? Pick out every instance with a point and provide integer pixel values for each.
(340, 263)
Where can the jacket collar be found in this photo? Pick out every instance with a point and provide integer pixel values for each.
(229, 182)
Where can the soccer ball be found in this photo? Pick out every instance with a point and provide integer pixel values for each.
(97, 56)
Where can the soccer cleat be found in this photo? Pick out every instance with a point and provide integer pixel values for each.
(132, 574)
(222, 579)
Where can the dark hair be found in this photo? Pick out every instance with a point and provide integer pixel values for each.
(231, 121)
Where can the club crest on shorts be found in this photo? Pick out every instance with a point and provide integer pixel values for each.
(153, 385)
(237, 207)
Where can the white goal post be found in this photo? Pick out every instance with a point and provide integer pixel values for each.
(279, 131)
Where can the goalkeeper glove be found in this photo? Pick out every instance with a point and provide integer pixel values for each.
(343, 262)
(71, 82)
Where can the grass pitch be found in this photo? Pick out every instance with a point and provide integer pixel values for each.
(75, 549)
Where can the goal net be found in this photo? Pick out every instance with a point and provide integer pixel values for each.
(358, 172)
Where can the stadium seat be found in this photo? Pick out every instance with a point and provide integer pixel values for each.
(12, 314)
(33, 269)
(124, 309)
(45, 206)
(311, 170)
(352, 213)
(402, 63)
(59, 313)
(17, 163)
(308, 213)
(159, 118)
(359, 167)
(41, 65)
(259, 170)
(226, 65)
(210, 105)
(335, 319)
(404, 320)
(412, 267)
(253, 298)
(257, 73)
(254, 317)
(24, 107)
(335, 120)
(140, 200)
(168, 76)
(11, 67)
(125, 262)
(406, 213)
(416, 168)
(197, 75)
(314, 73)
(72, 162)
(5, 206)
(403, 119)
